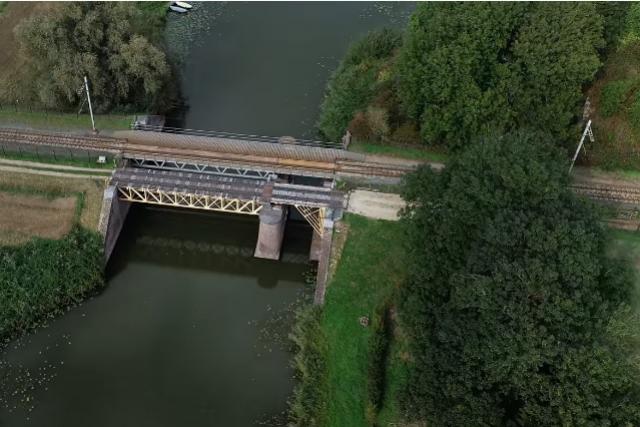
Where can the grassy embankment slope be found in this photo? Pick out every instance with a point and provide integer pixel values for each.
(364, 371)
(15, 117)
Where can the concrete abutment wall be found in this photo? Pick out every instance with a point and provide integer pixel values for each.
(112, 217)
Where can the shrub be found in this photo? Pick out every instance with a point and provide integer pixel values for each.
(378, 120)
(634, 113)
(406, 134)
(378, 353)
(632, 28)
(41, 279)
(358, 79)
(359, 127)
(613, 96)
(306, 407)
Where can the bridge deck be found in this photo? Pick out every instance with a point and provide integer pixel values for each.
(188, 182)
(202, 151)
(247, 189)
(237, 146)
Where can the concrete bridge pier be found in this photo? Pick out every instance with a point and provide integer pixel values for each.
(112, 216)
(272, 221)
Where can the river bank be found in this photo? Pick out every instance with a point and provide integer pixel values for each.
(351, 357)
(50, 251)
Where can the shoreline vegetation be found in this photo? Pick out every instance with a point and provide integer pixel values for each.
(350, 352)
(392, 91)
(42, 277)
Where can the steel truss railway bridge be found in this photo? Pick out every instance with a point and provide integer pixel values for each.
(241, 174)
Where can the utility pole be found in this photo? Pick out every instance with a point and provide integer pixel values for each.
(587, 131)
(86, 86)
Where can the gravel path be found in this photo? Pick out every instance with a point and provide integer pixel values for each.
(373, 204)
(52, 166)
(6, 168)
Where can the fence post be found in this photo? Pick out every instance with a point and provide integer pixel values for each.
(346, 139)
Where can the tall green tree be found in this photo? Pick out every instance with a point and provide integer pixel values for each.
(101, 41)
(516, 314)
(466, 68)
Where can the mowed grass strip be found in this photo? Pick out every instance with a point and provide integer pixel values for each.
(10, 117)
(402, 152)
(91, 191)
(370, 270)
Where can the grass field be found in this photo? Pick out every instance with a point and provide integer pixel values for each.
(369, 271)
(411, 153)
(10, 117)
(88, 192)
(23, 217)
(57, 160)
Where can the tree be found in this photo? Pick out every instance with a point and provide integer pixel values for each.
(98, 40)
(467, 68)
(515, 313)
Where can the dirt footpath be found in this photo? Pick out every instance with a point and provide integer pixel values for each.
(25, 216)
(373, 204)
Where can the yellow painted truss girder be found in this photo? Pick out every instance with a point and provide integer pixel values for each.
(314, 216)
(157, 196)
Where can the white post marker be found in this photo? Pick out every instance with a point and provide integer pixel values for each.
(86, 86)
(587, 131)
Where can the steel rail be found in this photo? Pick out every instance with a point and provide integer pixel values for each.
(618, 194)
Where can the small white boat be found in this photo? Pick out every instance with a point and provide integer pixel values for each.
(177, 9)
(182, 4)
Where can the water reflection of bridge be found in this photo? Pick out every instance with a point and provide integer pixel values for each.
(191, 247)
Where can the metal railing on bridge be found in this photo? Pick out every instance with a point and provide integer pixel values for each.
(232, 135)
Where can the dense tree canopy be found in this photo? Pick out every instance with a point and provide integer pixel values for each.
(99, 40)
(515, 313)
(466, 68)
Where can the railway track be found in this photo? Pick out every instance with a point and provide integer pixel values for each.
(315, 166)
(626, 195)
(93, 143)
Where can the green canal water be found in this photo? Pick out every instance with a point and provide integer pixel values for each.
(191, 329)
